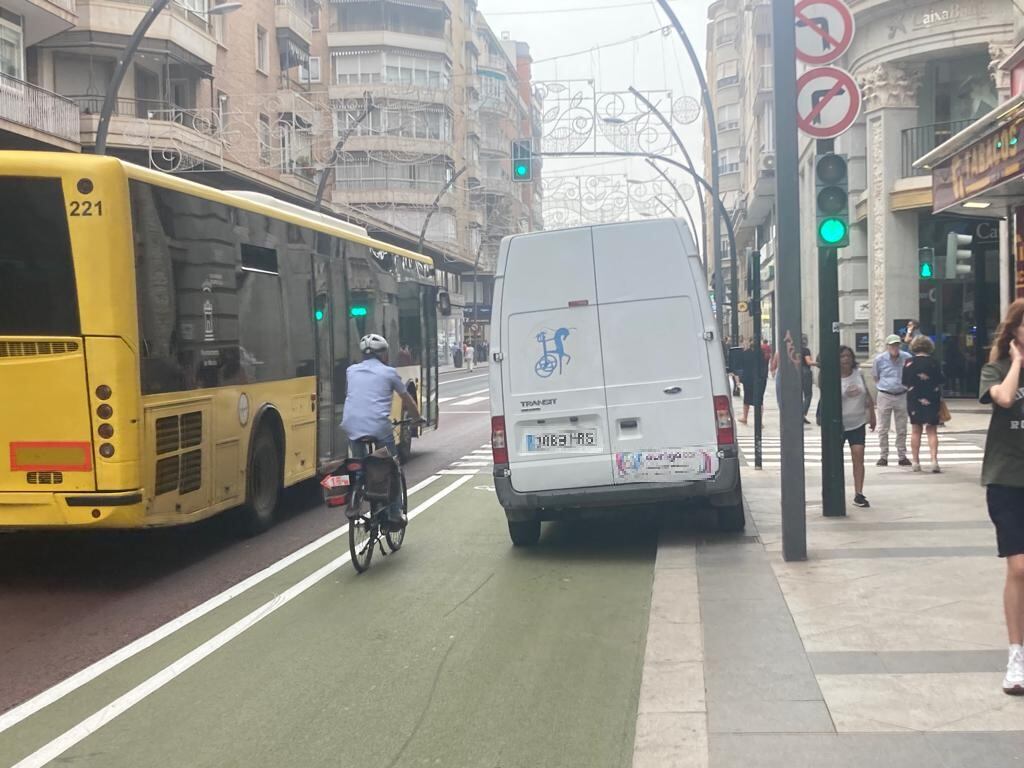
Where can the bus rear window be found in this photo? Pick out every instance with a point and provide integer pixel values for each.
(37, 279)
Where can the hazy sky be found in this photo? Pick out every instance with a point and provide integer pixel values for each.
(554, 28)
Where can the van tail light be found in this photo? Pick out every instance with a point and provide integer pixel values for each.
(499, 447)
(723, 422)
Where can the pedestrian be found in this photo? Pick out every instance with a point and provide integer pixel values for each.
(922, 376)
(469, 354)
(1002, 473)
(913, 330)
(755, 379)
(858, 411)
(892, 399)
(806, 375)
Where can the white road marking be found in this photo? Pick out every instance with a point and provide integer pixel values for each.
(449, 413)
(467, 464)
(442, 400)
(465, 378)
(471, 401)
(459, 472)
(122, 704)
(44, 699)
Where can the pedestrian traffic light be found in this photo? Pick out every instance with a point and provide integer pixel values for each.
(832, 198)
(926, 258)
(958, 255)
(522, 160)
(320, 307)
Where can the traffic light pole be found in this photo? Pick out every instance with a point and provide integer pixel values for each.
(833, 498)
(787, 283)
(755, 310)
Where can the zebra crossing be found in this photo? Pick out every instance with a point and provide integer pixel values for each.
(469, 398)
(476, 462)
(952, 452)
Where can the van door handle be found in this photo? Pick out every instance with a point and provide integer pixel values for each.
(673, 390)
(628, 423)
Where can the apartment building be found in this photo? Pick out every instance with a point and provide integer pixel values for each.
(927, 69)
(420, 98)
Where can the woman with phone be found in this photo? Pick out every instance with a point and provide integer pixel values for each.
(1002, 474)
(922, 376)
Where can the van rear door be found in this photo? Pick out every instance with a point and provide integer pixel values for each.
(551, 372)
(661, 413)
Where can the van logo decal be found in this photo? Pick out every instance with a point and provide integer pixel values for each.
(553, 355)
(536, 405)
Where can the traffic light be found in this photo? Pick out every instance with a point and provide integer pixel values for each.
(832, 201)
(522, 160)
(320, 307)
(357, 311)
(958, 255)
(926, 259)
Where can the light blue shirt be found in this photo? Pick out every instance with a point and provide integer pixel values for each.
(368, 402)
(888, 373)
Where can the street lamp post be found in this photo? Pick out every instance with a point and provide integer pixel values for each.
(679, 196)
(709, 116)
(321, 186)
(125, 59)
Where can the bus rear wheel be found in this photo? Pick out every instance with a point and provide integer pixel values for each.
(263, 484)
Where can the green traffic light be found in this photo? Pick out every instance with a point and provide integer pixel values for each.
(319, 314)
(357, 312)
(521, 170)
(926, 271)
(832, 230)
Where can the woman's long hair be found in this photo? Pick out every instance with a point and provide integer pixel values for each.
(1006, 331)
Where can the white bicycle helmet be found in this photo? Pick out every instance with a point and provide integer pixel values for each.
(373, 343)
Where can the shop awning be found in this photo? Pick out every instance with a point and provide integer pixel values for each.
(294, 50)
(985, 160)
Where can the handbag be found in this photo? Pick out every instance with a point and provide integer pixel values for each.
(944, 414)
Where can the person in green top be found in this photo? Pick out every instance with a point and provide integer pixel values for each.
(1002, 473)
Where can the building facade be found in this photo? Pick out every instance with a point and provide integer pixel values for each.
(926, 70)
(409, 105)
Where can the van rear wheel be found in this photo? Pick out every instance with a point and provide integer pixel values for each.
(524, 534)
(731, 518)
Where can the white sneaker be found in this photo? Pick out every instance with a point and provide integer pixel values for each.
(1013, 683)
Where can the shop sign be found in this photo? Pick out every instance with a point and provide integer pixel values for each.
(991, 160)
(1019, 253)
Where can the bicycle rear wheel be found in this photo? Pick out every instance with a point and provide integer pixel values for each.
(362, 533)
(395, 538)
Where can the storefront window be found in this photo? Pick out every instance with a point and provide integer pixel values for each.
(959, 309)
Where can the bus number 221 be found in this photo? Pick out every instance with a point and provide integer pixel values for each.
(86, 208)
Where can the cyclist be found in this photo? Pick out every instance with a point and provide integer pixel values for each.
(368, 406)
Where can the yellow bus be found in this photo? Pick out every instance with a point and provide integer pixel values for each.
(169, 351)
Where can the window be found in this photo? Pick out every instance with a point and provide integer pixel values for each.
(220, 29)
(310, 73)
(12, 53)
(729, 161)
(37, 279)
(728, 117)
(223, 108)
(262, 50)
(725, 30)
(728, 73)
(264, 137)
(314, 17)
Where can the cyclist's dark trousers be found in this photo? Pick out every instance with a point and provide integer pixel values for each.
(361, 451)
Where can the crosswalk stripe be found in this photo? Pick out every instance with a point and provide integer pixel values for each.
(459, 472)
(471, 401)
(925, 465)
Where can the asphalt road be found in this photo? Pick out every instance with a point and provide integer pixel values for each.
(70, 598)
(459, 650)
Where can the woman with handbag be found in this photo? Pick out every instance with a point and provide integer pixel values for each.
(922, 376)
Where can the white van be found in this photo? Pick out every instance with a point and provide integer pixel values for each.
(608, 382)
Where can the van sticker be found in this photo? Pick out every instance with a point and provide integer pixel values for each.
(553, 355)
(536, 405)
(666, 464)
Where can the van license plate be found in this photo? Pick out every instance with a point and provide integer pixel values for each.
(561, 441)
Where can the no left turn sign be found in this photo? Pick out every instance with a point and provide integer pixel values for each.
(827, 102)
(824, 30)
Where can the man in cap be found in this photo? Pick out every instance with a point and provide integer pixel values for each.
(892, 399)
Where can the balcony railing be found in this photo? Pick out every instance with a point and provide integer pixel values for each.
(148, 109)
(35, 107)
(923, 139)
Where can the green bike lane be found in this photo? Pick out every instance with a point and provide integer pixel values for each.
(457, 651)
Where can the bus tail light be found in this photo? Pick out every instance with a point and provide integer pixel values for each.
(723, 422)
(499, 447)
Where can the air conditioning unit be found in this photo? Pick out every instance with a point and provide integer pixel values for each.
(768, 161)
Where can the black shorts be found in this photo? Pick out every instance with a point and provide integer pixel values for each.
(1006, 508)
(855, 436)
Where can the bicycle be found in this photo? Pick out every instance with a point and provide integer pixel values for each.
(369, 528)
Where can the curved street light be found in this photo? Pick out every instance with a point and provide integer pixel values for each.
(128, 55)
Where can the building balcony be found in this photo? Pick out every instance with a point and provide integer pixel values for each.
(43, 18)
(366, 142)
(290, 19)
(922, 139)
(390, 91)
(178, 26)
(153, 125)
(36, 113)
(765, 74)
(376, 38)
(496, 185)
(387, 192)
